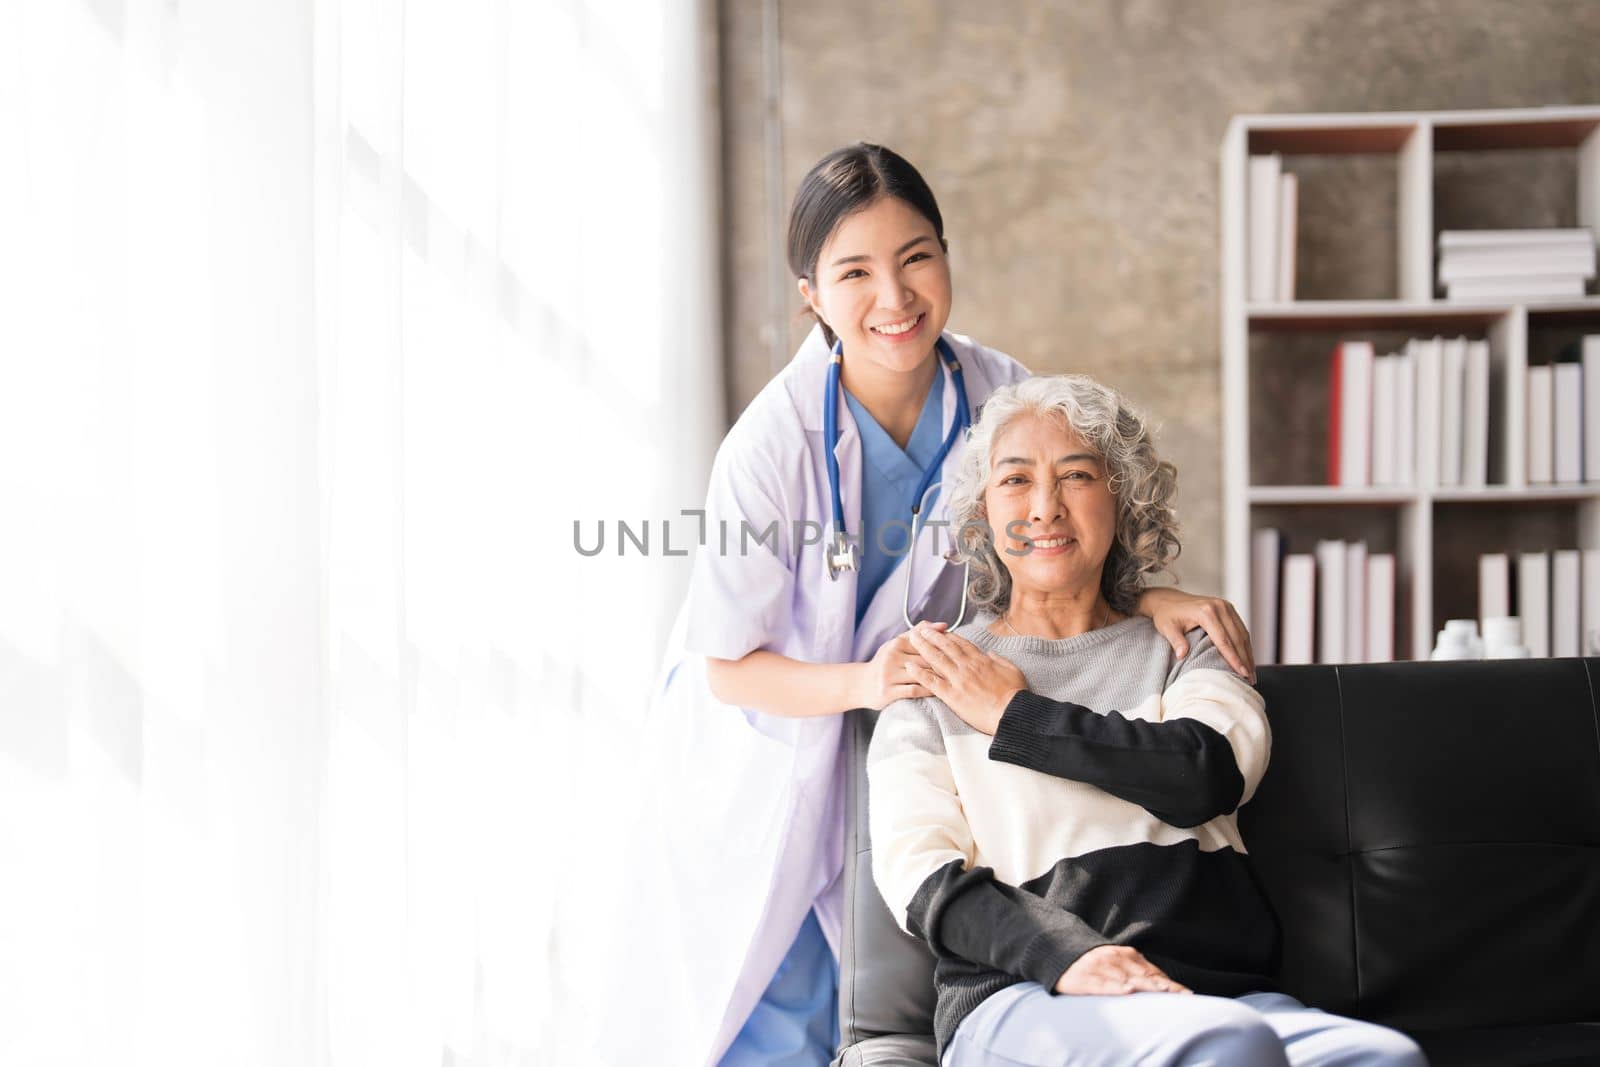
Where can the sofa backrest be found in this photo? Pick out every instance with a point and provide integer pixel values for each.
(1428, 834)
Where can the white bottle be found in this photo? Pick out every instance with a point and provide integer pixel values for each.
(1502, 638)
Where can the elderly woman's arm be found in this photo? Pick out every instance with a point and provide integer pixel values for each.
(1202, 758)
(922, 854)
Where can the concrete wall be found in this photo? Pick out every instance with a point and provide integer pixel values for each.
(1073, 147)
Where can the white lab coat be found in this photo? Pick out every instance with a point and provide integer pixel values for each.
(742, 831)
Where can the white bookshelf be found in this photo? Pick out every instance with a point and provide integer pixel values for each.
(1414, 139)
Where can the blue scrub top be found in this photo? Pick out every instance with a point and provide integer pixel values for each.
(889, 477)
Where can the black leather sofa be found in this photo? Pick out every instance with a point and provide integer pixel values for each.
(1429, 835)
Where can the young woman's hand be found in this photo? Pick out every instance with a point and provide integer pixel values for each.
(1175, 612)
(1115, 969)
(891, 674)
(977, 685)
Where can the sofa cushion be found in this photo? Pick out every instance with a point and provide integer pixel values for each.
(1470, 865)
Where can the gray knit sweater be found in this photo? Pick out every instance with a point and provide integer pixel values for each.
(1101, 812)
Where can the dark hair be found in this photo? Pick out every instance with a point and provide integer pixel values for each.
(843, 182)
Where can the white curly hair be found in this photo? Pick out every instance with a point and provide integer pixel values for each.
(1143, 485)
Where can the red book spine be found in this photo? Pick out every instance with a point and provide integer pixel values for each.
(1335, 416)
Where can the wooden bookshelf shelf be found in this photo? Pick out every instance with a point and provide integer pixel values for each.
(1502, 494)
(1513, 515)
(1328, 495)
(1339, 496)
(1433, 316)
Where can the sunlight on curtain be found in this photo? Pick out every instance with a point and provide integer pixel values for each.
(321, 321)
(161, 731)
(512, 226)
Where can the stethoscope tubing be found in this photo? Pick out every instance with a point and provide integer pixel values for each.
(830, 431)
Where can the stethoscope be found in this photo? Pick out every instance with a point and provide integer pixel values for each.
(842, 554)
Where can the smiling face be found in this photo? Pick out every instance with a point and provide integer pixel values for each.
(883, 285)
(1046, 484)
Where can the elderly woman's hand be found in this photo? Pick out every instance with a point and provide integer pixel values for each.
(1175, 612)
(977, 685)
(1116, 969)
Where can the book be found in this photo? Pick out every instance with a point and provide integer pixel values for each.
(1262, 193)
(1350, 415)
(1385, 424)
(1429, 358)
(1405, 464)
(1541, 287)
(1475, 417)
(1331, 588)
(1533, 601)
(1589, 606)
(1494, 585)
(1541, 430)
(1451, 408)
(1266, 560)
(1564, 602)
(1567, 459)
(1288, 203)
(1298, 622)
(1543, 239)
(1355, 602)
(1472, 263)
(1380, 608)
(1591, 408)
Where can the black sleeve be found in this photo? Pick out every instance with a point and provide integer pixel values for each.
(968, 915)
(1181, 771)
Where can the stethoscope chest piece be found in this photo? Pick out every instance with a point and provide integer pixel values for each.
(842, 555)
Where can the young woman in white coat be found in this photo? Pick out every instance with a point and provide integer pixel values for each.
(785, 628)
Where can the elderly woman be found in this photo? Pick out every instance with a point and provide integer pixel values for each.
(1057, 822)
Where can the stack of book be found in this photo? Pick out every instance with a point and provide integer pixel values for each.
(1515, 265)
(1556, 595)
(1336, 606)
(1564, 417)
(1418, 417)
(1272, 202)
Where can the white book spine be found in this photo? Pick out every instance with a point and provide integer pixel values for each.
(1568, 459)
(1330, 601)
(1464, 264)
(1380, 608)
(1494, 585)
(1355, 412)
(1405, 465)
(1591, 408)
(1288, 209)
(1262, 186)
(1567, 237)
(1533, 601)
(1516, 288)
(1589, 613)
(1355, 602)
(1475, 429)
(1265, 557)
(1430, 358)
(1385, 425)
(1564, 600)
(1451, 408)
(1541, 432)
(1299, 609)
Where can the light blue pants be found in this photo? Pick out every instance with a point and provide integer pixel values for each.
(1025, 1026)
(796, 1021)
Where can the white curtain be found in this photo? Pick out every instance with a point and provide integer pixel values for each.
(321, 321)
